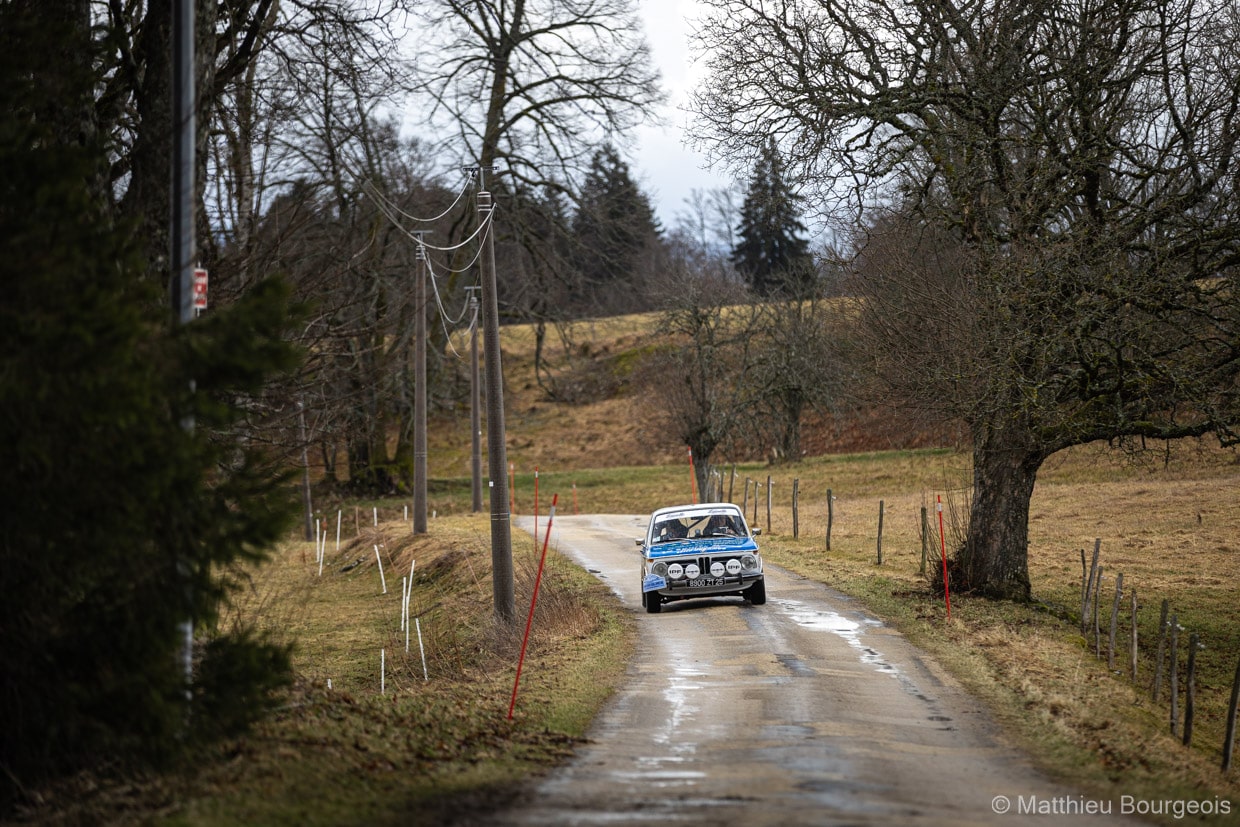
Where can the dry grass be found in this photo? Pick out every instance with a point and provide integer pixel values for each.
(427, 750)
(1170, 528)
(1169, 523)
(430, 747)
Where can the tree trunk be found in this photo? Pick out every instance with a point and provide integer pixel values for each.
(995, 558)
(790, 436)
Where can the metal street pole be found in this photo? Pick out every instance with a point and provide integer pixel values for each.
(497, 450)
(182, 242)
(419, 396)
(475, 404)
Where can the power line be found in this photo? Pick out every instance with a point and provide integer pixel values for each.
(392, 204)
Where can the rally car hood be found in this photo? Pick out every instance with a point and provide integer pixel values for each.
(703, 545)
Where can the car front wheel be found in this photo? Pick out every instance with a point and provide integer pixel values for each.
(757, 593)
(653, 602)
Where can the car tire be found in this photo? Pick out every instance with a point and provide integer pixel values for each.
(654, 603)
(756, 593)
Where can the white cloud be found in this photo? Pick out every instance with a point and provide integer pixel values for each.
(668, 169)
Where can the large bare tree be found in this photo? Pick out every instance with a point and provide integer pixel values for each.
(532, 86)
(530, 89)
(1051, 198)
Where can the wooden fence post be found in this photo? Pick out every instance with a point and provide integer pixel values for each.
(1084, 590)
(1156, 689)
(924, 527)
(1097, 627)
(745, 498)
(880, 532)
(768, 503)
(1229, 739)
(731, 480)
(1173, 676)
(830, 516)
(1089, 586)
(1190, 689)
(796, 516)
(1132, 649)
(1119, 593)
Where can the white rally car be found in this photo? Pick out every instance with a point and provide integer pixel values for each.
(700, 551)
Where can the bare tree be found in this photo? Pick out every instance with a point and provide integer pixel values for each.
(797, 366)
(530, 89)
(133, 101)
(705, 230)
(1066, 171)
(532, 86)
(703, 386)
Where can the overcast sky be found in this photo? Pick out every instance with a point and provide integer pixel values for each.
(666, 169)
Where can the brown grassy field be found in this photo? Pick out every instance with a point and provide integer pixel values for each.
(1168, 521)
(430, 746)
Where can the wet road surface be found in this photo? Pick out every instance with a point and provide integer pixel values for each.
(804, 711)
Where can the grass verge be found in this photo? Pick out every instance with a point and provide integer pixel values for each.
(426, 747)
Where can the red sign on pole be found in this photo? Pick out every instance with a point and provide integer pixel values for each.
(200, 289)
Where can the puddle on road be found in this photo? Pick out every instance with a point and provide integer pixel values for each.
(849, 630)
(682, 686)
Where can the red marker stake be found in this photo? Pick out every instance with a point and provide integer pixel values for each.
(943, 543)
(533, 602)
(536, 505)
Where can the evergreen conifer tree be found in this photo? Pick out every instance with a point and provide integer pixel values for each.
(772, 254)
(121, 523)
(615, 227)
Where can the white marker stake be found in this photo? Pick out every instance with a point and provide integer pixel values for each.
(382, 672)
(381, 577)
(425, 677)
(406, 513)
(402, 603)
(338, 531)
(376, 513)
(408, 597)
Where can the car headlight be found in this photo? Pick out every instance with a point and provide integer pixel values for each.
(733, 566)
(675, 571)
(749, 563)
(660, 569)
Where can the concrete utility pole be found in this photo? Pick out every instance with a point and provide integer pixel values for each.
(419, 394)
(497, 450)
(475, 403)
(182, 240)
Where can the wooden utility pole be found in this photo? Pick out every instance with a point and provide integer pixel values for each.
(475, 404)
(419, 392)
(502, 587)
(311, 533)
(184, 122)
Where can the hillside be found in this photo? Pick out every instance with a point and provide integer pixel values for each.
(623, 426)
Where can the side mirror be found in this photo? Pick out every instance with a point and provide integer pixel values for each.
(640, 541)
(755, 532)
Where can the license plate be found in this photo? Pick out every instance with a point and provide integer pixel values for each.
(706, 581)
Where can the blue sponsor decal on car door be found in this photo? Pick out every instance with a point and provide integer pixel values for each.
(653, 582)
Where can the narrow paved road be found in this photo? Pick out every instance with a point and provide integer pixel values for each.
(804, 711)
